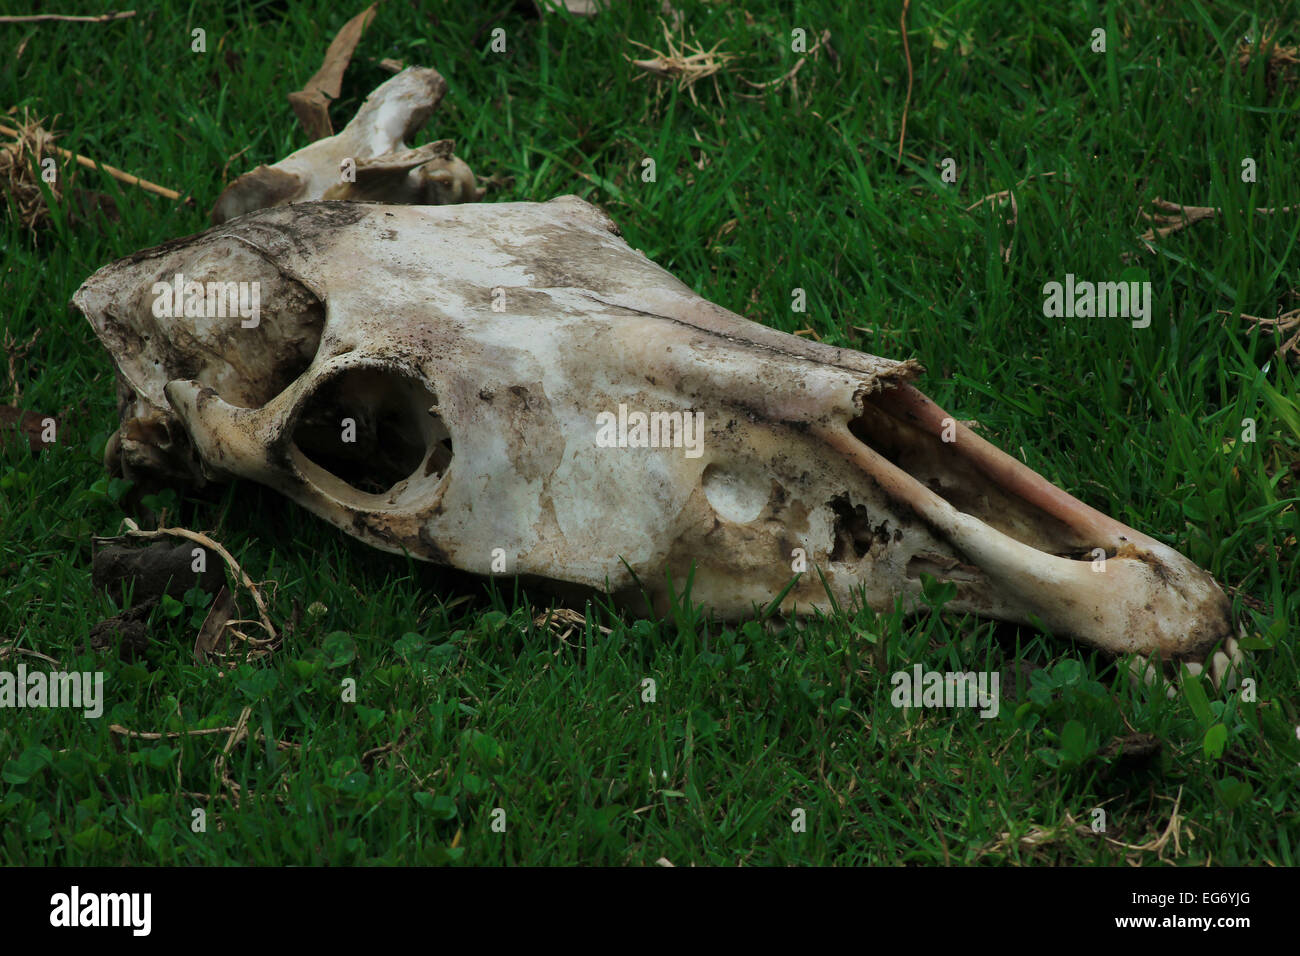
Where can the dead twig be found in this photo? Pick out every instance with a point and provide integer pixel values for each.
(25, 174)
(1279, 61)
(1284, 323)
(9, 650)
(201, 732)
(1004, 196)
(237, 735)
(1011, 224)
(63, 18)
(1172, 217)
(133, 530)
(168, 734)
(1157, 846)
(566, 620)
(118, 174)
(789, 76)
(232, 158)
(14, 351)
(686, 64)
(393, 747)
(907, 101)
(1037, 836)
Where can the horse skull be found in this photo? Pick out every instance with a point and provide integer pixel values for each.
(454, 382)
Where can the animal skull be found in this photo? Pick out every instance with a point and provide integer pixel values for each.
(367, 161)
(484, 357)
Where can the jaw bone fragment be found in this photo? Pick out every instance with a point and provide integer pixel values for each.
(382, 168)
(487, 357)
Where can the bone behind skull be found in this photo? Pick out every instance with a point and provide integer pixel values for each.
(476, 348)
(368, 160)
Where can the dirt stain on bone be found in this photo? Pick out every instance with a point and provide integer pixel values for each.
(535, 439)
(569, 258)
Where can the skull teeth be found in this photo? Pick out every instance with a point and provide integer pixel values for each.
(1223, 669)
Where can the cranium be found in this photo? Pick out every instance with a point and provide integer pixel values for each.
(367, 161)
(485, 356)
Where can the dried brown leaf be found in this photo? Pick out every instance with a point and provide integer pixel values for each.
(214, 625)
(311, 104)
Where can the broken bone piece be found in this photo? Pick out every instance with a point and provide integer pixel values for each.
(512, 388)
(430, 175)
(367, 161)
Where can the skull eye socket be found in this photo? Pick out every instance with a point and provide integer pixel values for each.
(375, 430)
(225, 316)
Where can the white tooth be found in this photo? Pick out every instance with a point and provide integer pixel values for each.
(1234, 652)
(486, 354)
(1222, 673)
(1143, 670)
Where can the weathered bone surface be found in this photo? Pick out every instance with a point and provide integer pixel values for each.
(385, 170)
(474, 349)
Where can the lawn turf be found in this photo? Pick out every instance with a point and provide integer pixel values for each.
(469, 715)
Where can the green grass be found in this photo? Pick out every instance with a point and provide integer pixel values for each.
(753, 198)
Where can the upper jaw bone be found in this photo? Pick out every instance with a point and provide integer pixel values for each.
(1102, 581)
(488, 439)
